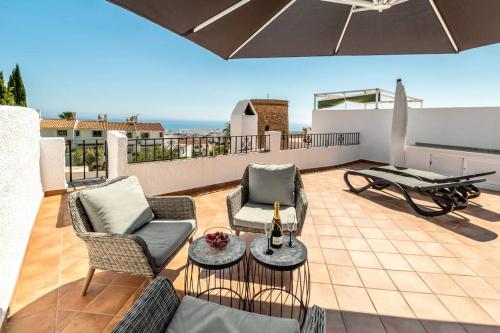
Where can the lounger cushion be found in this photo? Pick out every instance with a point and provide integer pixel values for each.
(164, 237)
(270, 183)
(198, 316)
(254, 216)
(120, 207)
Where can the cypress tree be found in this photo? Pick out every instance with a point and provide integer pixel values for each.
(16, 85)
(6, 97)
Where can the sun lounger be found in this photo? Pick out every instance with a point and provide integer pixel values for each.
(470, 191)
(445, 195)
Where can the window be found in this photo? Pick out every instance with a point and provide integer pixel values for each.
(62, 133)
(145, 135)
(129, 135)
(96, 134)
(77, 133)
(161, 134)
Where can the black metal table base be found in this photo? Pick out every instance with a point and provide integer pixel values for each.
(283, 293)
(225, 285)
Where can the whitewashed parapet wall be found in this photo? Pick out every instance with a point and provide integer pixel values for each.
(20, 191)
(476, 127)
(52, 164)
(162, 177)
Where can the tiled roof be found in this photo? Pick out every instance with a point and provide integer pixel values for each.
(102, 125)
(57, 123)
(92, 125)
(121, 127)
(149, 127)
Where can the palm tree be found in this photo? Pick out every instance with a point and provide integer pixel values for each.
(67, 115)
(227, 129)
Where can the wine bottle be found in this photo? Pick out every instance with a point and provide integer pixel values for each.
(276, 235)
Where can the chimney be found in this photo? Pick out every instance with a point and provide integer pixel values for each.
(132, 119)
(74, 115)
(102, 117)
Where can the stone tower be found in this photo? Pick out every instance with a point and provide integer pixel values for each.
(273, 115)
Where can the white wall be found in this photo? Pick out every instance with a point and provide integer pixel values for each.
(374, 127)
(52, 165)
(469, 127)
(169, 176)
(20, 191)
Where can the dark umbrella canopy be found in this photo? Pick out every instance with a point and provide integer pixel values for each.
(288, 28)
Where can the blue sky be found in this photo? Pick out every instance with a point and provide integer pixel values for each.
(90, 57)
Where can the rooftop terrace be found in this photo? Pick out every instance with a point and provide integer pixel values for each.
(375, 266)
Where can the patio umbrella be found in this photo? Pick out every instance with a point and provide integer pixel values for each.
(286, 28)
(399, 124)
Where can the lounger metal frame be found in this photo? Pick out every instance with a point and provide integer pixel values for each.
(470, 190)
(447, 196)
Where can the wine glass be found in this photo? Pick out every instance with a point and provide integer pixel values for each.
(291, 224)
(268, 230)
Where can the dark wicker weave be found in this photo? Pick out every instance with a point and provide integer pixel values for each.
(237, 198)
(156, 307)
(125, 253)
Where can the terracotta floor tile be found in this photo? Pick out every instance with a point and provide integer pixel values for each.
(70, 298)
(343, 221)
(381, 245)
(331, 242)
(433, 326)
(408, 247)
(324, 296)
(453, 266)
(110, 300)
(362, 323)
(466, 310)
(128, 280)
(423, 264)
(376, 278)
(476, 286)
(326, 230)
(64, 317)
(427, 306)
(111, 325)
(87, 323)
(310, 240)
(435, 249)
(315, 254)
(396, 234)
(337, 257)
(408, 281)
(372, 233)
(441, 284)
(402, 325)
(319, 273)
(491, 306)
(348, 231)
(393, 261)
(356, 244)
(344, 275)
(482, 267)
(43, 321)
(390, 303)
(354, 299)
(364, 259)
(419, 236)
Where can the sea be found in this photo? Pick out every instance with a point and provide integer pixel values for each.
(177, 125)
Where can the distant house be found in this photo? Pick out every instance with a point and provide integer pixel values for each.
(91, 130)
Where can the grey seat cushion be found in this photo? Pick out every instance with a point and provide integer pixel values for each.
(270, 183)
(164, 237)
(253, 215)
(198, 316)
(120, 207)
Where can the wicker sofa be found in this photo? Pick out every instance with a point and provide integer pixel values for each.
(238, 198)
(160, 310)
(130, 253)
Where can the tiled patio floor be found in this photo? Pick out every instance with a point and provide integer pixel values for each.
(375, 266)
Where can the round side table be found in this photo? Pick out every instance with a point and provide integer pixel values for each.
(217, 275)
(279, 284)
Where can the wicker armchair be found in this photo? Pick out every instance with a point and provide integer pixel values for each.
(157, 306)
(128, 253)
(239, 197)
